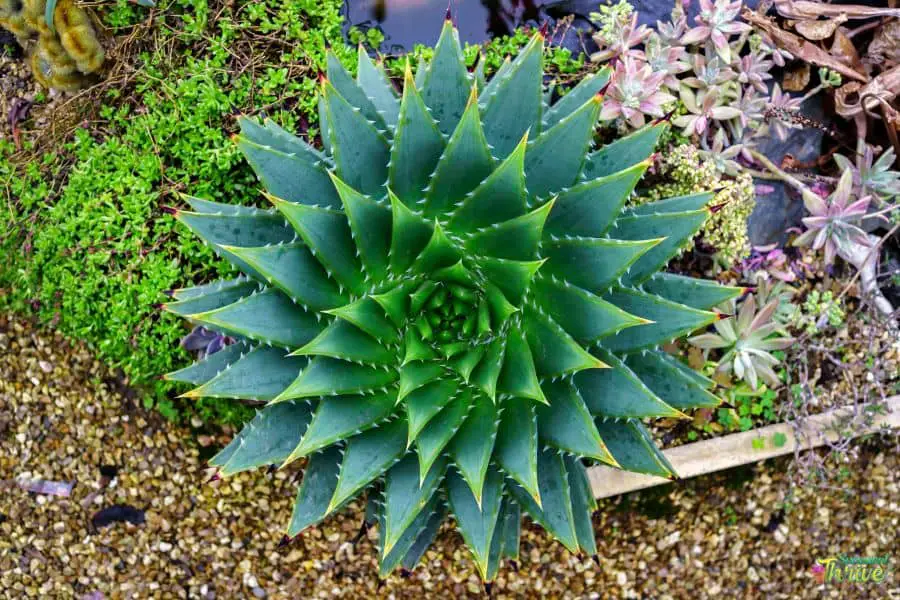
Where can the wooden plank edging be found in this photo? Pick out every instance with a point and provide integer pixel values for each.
(709, 456)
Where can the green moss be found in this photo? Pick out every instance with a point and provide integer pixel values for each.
(88, 246)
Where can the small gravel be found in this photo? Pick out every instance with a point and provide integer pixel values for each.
(64, 417)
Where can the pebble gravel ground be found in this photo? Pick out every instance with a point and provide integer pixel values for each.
(142, 520)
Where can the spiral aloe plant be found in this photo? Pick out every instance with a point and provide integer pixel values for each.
(448, 307)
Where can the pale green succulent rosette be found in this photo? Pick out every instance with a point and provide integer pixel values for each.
(449, 308)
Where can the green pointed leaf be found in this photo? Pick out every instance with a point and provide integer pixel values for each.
(415, 348)
(491, 87)
(669, 383)
(592, 263)
(513, 277)
(517, 444)
(361, 152)
(202, 290)
(261, 374)
(670, 320)
(588, 209)
(324, 128)
(388, 561)
(351, 92)
(378, 88)
(269, 133)
(425, 402)
(466, 162)
(583, 504)
(555, 352)
(516, 239)
(439, 252)
(466, 362)
(425, 538)
(486, 374)
(434, 437)
(518, 376)
(500, 309)
(705, 382)
(511, 518)
(618, 393)
(294, 177)
(267, 317)
(566, 423)
(623, 153)
(256, 229)
(395, 301)
(671, 205)
(370, 224)
(415, 374)
(410, 234)
(327, 235)
(369, 455)
(677, 228)
(405, 496)
(214, 299)
(696, 293)
(418, 144)
(446, 82)
(514, 106)
(325, 375)
(209, 367)
(339, 417)
(268, 438)
(633, 448)
(476, 521)
(556, 515)
(368, 315)
(347, 342)
(582, 314)
(586, 89)
(554, 159)
(499, 197)
(473, 444)
(319, 481)
(295, 271)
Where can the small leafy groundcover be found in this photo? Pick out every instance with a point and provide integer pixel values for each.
(449, 306)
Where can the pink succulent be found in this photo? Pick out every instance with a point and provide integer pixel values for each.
(666, 58)
(700, 115)
(622, 43)
(831, 224)
(635, 92)
(754, 70)
(717, 22)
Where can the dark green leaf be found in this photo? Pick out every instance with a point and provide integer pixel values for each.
(473, 444)
(347, 342)
(669, 383)
(623, 153)
(325, 375)
(378, 88)
(476, 521)
(261, 375)
(592, 263)
(633, 448)
(555, 352)
(516, 239)
(425, 402)
(446, 83)
(339, 417)
(267, 439)
(406, 495)
(566, 423)
(556, 515)
(319, 481)
(370, 224)
(617, 392)
(587, 88)
(518, 376)
(368, 456)
(696, 293)
(517, 444)
(677, 228)
(434, 437)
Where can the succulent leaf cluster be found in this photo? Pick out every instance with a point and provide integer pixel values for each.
(59, 38)
(747, 342)
(833, 222)
(449, 307)
(717, 70)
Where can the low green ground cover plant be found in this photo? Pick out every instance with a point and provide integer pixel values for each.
(83, 225)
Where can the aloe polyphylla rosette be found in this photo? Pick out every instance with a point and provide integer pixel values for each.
(449, 307)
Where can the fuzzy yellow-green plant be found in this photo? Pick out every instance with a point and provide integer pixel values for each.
(683, 171)
(67, 56)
